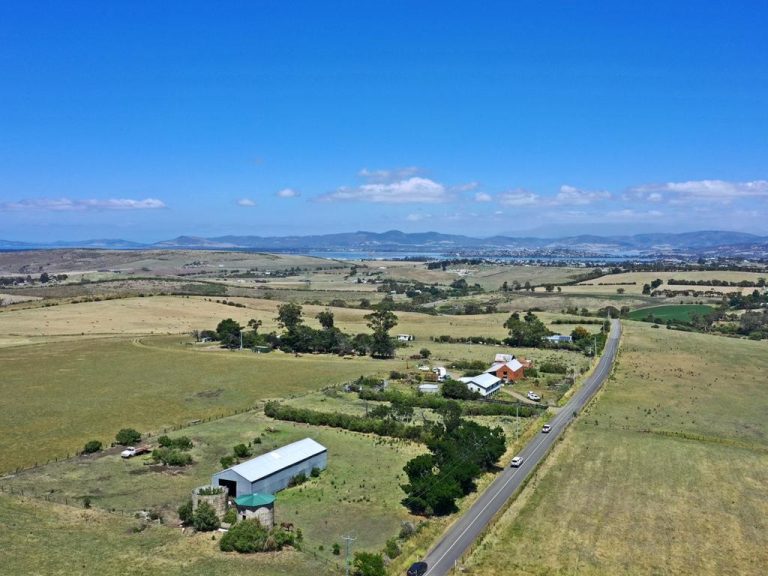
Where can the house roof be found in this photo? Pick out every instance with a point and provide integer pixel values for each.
(513, 365)
(255, 500)
(504, 358)
(277, 460)
(485, 381)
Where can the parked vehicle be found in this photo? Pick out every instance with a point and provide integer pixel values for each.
(516, 461)
(546, 428)
(533, 396)
(131, 451)
(417, 569)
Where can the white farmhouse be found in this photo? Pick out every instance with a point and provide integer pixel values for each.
(486, 384)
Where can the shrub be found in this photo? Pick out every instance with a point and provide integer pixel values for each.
(336, 549)
(241, 451)
(391, 548)
(230, 516)
(250, 536)
(204, 518)
(297, 480)
(171, 457)
(368, 564)
(180, 443)
(185, 512)
(315, 472)
(209, 490)
(92, 446)
(127, 436)
(86, 501)
(227, 461)
(257, 440)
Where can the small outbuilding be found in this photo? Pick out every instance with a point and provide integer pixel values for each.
(273, 471)
(258, 506)
(485, 384)
(429, 388)
(559, 338)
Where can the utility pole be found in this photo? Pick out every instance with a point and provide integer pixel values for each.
(347, 540)
(241, 340)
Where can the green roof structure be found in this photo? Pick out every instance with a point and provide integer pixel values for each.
(255, 500)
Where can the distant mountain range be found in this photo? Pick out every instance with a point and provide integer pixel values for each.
(434, 242)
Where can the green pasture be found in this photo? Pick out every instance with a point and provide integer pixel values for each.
(679, 312)
(55, 397)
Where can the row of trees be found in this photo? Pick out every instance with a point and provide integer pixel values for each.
(298, 337)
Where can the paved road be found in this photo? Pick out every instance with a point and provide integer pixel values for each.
(447, 552)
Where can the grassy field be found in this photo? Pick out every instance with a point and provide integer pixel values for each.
(358, 493)
(49, 539)
(57, 396)
(663, 474)
(680, 312)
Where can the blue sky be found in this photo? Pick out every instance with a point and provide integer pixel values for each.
(146, 120)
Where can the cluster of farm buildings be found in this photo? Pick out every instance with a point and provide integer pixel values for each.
(505, 368)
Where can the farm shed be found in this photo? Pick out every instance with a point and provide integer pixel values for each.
(429, 388)
(512, 370)
(271, 472)
(486, 384)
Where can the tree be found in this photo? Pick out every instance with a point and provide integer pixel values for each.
(204, 518)
(549, 287)
(254, 324)
(381, 322)
(127, 436)
(527, 332)
(369, 564)
(580, 333)
(646, 289)
(289, 316)
(425, 353)
(326, 319)
(619, 290)
(44, 278)
(228, 333)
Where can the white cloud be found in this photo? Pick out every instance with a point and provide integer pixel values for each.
(414, 217)
(383, 176)
(68, 204)
(483, 197)
(287, 193)
(518, 198)
(247, 202)
(574, 196)
(701, 190)
(467, 187)
(411, 190)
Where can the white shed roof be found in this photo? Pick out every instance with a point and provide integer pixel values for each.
(485, 381)
(276, 460)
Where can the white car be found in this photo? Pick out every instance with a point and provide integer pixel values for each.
(128, 452)
(533, 396)
(546, 428)
(516, 461)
